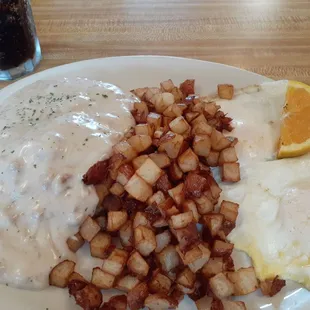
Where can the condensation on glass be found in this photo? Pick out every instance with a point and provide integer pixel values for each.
(19, 46)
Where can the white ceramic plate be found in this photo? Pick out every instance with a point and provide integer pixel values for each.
(129, 73)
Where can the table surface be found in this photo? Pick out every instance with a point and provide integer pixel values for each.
(270, 37)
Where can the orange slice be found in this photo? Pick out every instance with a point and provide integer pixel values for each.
(295, 125)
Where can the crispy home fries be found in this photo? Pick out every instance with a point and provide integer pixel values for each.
(160, 227)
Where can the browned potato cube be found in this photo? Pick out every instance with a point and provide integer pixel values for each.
(198, 120)
(117, 189)
(144, 129)
(101, 191)
(214, 266)
(244, 281)
(156, 199)
(59, 275)
(179, 125)
(190, 116)
(115, 162)
(154, 120)
(167, 86)
(149, 172)
(175, 173)
(100, 244)
(218, 141)
(208, 303)
(210, 109)
(145, 240)
(139, 161)
(181, 220)
(160, 302)
(168, 258)
(202, 145)
(221, 286)
(139, 92)
(126, 234)
(159, 283)
(141, 219)
(160, 159)
(125, 149)
(186, 278)
(204, 205)
(127, 283)
(118, 302)
(229, 210)
(213, 159)
(225, 91)
(228, 156)
(76, 276)
(101, 279)
(140, 142)
(231, 172)
(137, 264)
(171, 143)
(221, 248)
(173, 111)
(75, 242)
(163, 101)
(162, 240)
(151, 92)
(201, 128)
(116, 262)
(88, 296)
(116, 219)
(89, 229)
(214, 222)
(189, 205)
(233, 305)
(177, 193)
(272, 286)
(137, 295)
(138, 188)
(140, 112)
(125, 172)
(188, 161)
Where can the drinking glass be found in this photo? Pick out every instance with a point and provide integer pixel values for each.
(20, 50)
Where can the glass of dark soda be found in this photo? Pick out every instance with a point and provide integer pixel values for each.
(20, 50)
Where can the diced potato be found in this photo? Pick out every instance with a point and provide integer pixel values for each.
(89, 229)
(163, 101)
(101, 279)
(154, 120)
(214, 188)
(149, 172)
(172, 211)
(198, 107)
(139, 161)
(210, 109)
(75, 242)
(156, 199)
(181, 220)
(189, 205)
(233, 305)
(127, 283)
(101, 191)
(225, 91)
(76, 276)
(196, 257)
(206, 303)
(159, 133)
(175, 173)
(145, 240)
(116, 262)
(173, 111)
(171, 143)
(126, 234)
(179, 125)
(116, 219)
(228, 156)
(167, 86)
(115, 162)
(201, 128)
(204, 205)
(188, 87)
(221, 286)
(137, 295)
(160, 223)
(137, 264)
(214, 222)
(190, 116)
(244, 281)
(231, 172)
(218, 141)
(188, 161)
(59, 275)
(138, 188)
(118, 302)
(198, 120)
(162, 240)
(117, 189)
(144, 129)
(125, 149)
(140, 142)
(178, 96)
(163, 184)
(221, 248)
(272, 286)
(186, 278)
(160, 302)
(229, 210)
(202, 145)
(159, 283)
(160, 159)
(140, 112)
(139, 92)
(100, 244)
(102, 221)
(213, 159)
(141, 219)
(214, 266)
(168, 258)
(177, 193)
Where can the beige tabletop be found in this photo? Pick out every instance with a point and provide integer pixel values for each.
(270, 37)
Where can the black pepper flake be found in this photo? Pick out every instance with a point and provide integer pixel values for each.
(34, 166)
(105, 96)
(30, 100)
(55, 85)
(68, 97)
(97, 94)
(7, 284)
(52, 94)
(12, 152)
(37, 119)
(3, 151)
(90, 105)
(86, 139)
(83, 143)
